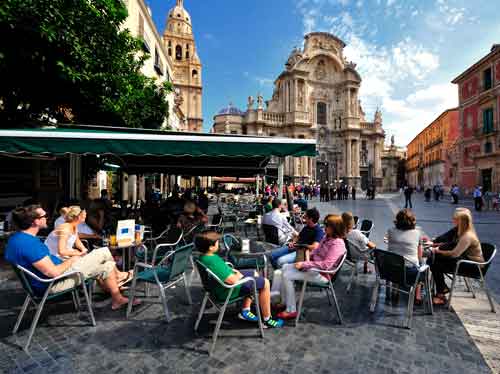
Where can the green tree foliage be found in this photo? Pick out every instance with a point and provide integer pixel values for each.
(71, 56)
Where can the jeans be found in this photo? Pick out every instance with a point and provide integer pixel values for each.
(408, 202)
(281, 256)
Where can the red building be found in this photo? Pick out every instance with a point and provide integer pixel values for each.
(478, 146)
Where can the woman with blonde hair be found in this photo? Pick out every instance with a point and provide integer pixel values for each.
(468, 247)
(325, 257)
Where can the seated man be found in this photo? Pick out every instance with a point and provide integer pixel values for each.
(276, 219)
(301, 202)
(309, 237)
(25, 249)
(356, 237)
(208, 244)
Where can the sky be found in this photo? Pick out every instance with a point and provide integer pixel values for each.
(407, 51)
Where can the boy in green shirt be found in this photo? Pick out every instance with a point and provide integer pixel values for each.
(208, 244)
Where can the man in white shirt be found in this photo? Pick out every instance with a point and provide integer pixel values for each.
(356, 238)
(276, 219)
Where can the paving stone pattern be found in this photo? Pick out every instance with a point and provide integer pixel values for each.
(366, 343)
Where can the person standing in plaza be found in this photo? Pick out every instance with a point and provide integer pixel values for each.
(353, 192)
(454, 193)
(408, 191)
(488, 199)
(478, 198)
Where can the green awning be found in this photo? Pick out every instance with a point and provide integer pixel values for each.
(61, 141)
(143, 151)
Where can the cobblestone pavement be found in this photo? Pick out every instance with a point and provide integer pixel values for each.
(366, 343)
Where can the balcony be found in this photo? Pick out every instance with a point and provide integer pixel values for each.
(274, 118)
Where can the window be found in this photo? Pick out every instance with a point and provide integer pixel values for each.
(170, 52)
(488, 147)
(487, 79)
(178, 52)
(488, 121)
(194, 74)
(321, 114)
(187, 55)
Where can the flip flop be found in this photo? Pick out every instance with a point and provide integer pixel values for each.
(438, 301)
(135, 303)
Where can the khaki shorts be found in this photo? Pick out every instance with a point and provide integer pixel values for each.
(98, 263)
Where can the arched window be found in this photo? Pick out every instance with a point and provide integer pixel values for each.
(194, 74)
(187, 55)
(178, 52)
(170, 52)
(321, 113)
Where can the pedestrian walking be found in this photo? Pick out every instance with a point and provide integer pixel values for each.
(353, 192)
(488, 200)
(408, 191)
(478, 198)
(454, 193)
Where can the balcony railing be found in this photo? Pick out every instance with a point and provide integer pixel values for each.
(273, 117)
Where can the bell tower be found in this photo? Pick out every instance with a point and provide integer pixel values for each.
(181, 48)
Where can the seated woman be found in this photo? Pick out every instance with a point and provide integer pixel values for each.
(191, 217)
(64, 241)
(208, 244)
(468, 247)
(268, 206)
(325, 257)
(404, 239)
(355, 236)
(61, 219)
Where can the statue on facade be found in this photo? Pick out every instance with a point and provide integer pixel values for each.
(250, 102)
(364, 157)
(320, 72)
(378, 116)
(392, 141)
(260, 101)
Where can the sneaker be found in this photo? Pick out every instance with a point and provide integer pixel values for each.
(287, 315)
(247, 315)
(274, 323)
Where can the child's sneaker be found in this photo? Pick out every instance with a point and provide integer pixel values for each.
(247, 315)
(274, 323)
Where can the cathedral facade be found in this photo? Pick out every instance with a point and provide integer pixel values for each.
(316, 97)
(180, 45)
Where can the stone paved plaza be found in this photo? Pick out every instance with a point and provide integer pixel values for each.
(365, 343)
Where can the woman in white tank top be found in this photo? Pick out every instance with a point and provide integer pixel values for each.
(63, 241)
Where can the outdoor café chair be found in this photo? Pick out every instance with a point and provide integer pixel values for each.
(217, 224)
(165, 274)
(271, 234)
(189, 235)
(233, 244)
(168, 239)
(354, 256)
(39, 300)
(366, 227)
(475, 270)
(328, 287)
(391, 267)
(210, 282)
(356, 221)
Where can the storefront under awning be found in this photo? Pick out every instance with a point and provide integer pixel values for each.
(143, 151)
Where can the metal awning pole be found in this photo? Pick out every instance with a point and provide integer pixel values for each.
(281, 171)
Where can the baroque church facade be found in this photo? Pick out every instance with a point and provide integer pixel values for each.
(316, 97)
(178, 40)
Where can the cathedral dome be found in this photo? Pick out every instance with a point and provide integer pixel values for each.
(231, 110)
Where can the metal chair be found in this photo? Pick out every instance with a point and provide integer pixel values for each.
(166, 273)
(168, 239)
(391, 267)
(366, 227)
(356, 221)
(475, 270)
(188, 236)
(232, 243)
(217, 224)
(271, 234)
(210, 283)
(39, 300)
(354, 256)
(328, 287)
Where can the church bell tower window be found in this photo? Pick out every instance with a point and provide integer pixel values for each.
(178, 53)
(321, 113)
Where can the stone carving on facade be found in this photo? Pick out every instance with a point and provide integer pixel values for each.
(260, 102)
(392, 141)
(250, 102)
(364, 157)
(320, 72)
(295, 56)
(378, 116)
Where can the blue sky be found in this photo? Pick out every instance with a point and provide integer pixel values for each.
(407, 51)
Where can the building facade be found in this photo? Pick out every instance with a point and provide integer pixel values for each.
(179, 43)
(479, 103)
(158, 66)
(316, 97)
(393, 167)
(427, 160)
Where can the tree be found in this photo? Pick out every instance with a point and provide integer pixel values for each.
(69, 58)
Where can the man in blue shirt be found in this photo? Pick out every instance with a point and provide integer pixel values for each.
(26, 250)
(309, 238)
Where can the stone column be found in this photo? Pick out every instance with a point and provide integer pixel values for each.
(348, 102)
(348, 158)
(281, 168)
(377, 160)
(132, 187)
(141, 188)
(356, 158)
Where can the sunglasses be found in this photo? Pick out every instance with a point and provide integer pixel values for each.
(44, 216)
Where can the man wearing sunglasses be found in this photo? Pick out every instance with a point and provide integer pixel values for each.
(28, 251)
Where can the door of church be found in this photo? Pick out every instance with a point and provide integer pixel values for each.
(364, 179)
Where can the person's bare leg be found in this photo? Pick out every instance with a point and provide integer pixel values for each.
(247, 301)
(111, 283)
(265, 300)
